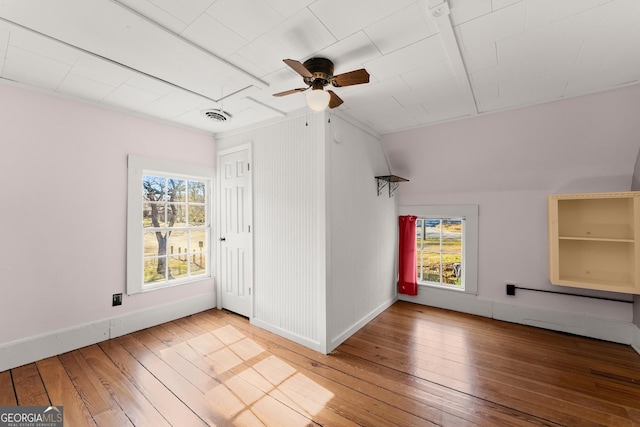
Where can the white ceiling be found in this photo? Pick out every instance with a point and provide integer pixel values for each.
(429, 60)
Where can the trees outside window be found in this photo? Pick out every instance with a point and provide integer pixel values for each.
(168, 223)
(175, 236)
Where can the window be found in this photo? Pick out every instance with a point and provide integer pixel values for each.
(446, 246)
(169, 224)
(440, 251)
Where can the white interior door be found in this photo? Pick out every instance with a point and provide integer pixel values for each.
(235, 268)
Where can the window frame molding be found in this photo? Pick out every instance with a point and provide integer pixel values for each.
(470, 237)
(137, 167)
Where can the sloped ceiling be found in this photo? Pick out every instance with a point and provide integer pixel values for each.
(430, 60)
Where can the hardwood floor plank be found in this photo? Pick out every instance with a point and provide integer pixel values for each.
(175, 411)
(133, 402)
(178, 363)
(499, 369)
(199, 402)
(427, 337)
(525, 406)
(28, 385)
(7, 393)
(241, 378)
(345, 399)
(227, 400)
(411, 365)
(467, 407)
(101, 405)
(341, 372)
(527, 396)
(62, 392)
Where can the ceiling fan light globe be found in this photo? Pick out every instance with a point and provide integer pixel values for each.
(318, 99)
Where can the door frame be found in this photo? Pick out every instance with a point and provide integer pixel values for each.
(249, 147)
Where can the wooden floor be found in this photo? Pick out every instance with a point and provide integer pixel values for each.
(411, 366)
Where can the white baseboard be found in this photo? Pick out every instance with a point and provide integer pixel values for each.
(636, 341)
(335, 342)
(450, 300)
(28, 350)
(314, 345)
(574, 323)
(142, 319)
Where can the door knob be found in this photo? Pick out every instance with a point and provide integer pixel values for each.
(222, 239)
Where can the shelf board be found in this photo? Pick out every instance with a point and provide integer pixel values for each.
(391, 180)
(584, 282)
(597, 239)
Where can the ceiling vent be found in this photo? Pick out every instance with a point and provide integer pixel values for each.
(219, 116)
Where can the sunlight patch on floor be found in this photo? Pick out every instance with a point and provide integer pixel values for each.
(254, 387)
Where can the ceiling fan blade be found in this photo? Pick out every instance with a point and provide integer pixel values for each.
(335, 100)
(289, 92)
(297, 67)
(355, 77)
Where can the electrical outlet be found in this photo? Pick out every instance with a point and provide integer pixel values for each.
(511, 289)
(117, 300)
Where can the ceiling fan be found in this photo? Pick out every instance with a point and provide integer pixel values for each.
(318, 73)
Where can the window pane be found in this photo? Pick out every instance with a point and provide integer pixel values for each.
(153, 188)
(176, 190)
(198, 263)
(176, 215)
(154, 270)
(431, 266)
(178, 242)
(196, 191)
(432, 235)
(151, 244)
(153, 215)
(451, 242)
(178, 267)
(440, 260)
(177, 209)
(196, 215)
(452, 235)
(451, 266)
(198, 240)
(419, 228)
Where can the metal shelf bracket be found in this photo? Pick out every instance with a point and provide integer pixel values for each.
(391, 181)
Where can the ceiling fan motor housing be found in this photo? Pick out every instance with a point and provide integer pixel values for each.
(322, 71)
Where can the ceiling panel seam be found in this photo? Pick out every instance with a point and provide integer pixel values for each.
(111, 61)
(258, 81)
(441, 13)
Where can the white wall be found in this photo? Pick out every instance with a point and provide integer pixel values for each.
(507, 163)
(324, 243)
(63, 165)
(288, 226)
(362, 234)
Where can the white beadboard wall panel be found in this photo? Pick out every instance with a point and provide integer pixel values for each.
(289, 225)
(362, 231)
(324, 242)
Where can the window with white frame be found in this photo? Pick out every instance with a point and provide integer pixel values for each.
(440, 251)
(169, 224)
(446, 246)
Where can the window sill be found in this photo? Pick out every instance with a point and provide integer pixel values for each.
(174, 283)
(437, 286)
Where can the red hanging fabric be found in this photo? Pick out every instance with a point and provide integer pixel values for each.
(407, 264)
